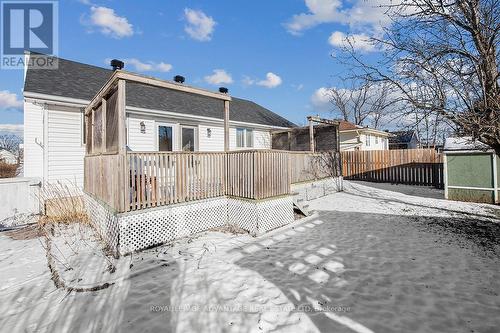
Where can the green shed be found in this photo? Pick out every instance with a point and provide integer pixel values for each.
(471, 171)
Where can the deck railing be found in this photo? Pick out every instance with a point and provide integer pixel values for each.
(258, 174)
(157, 179)
(139, 180)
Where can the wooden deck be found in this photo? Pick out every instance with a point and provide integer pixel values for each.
(150, 179)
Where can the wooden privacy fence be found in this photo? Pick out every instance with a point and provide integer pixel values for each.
(404, 166)
(307, 166)
(258, 174)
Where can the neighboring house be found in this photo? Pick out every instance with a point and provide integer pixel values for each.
(404, 140)
(356, 137)
(7, 157)
(157, 119)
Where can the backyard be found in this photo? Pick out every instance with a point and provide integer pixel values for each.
(376, 258)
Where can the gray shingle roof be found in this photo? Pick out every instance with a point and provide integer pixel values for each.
(76, 80)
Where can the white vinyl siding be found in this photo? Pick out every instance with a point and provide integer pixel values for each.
(138, 141)
(64, 147)
(33, 133)
(213, 143)
(261, 139)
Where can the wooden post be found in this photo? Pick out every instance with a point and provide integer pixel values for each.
(92, 130)
(226, 126)
(103, 132)
(123, 173)
(121, 105)
(311, 135)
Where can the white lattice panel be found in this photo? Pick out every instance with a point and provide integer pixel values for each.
(274, 213)
(242, 213)
(142, 229)
(103, 220)
(258, 217)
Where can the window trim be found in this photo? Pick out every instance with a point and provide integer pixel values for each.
(173, 126)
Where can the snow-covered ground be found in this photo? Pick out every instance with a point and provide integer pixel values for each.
(372, 261)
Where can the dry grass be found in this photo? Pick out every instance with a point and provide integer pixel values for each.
(7, 170)
(63, 203)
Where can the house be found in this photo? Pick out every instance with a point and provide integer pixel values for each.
(157, 160)
(156, 120)
(356, 137)
(7, 157)
(471, 171)
(404, 140)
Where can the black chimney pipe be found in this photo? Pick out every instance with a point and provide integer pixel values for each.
(223, 90)
(179, 79)
(117, 64)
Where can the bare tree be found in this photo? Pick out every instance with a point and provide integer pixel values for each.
(442, 57)
(10, 142)
(361, 102)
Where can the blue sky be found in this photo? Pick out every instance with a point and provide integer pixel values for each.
(276, 53)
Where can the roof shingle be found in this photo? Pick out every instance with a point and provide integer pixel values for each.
(81, 81)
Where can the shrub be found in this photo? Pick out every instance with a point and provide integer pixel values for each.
(7, 170)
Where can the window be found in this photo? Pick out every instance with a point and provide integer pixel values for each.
(165, 138)
(244, 138)
(368, 138)
(240, 137)
(249, 138)
(188, 138)
(376, 140)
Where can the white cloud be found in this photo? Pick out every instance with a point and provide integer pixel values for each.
(357, 41)
(12, 129)
(247, 80)
(272, 81)
(200, 26)
(110, 23)
(149, 66)
(357, 14)
(320, 99)
(9, 100)
(219, 76)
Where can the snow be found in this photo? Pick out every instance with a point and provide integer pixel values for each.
(207, 282)
(464, 143)
(367, 199)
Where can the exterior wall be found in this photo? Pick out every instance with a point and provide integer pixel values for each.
(470, 177)
(54, 149)
(261, 139)
(213, 143)
(138, 141)
(33, 133)
(65, 149)
(382, 144)
(22, 199)
(349, 139)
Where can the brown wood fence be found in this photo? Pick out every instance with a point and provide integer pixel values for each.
(307, 166)
(403, 166)
(258, 174)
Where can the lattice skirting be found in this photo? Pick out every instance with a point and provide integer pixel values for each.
(104, 221)
(148, 227)
(132, 231)
(260, 216)
(319, 188)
